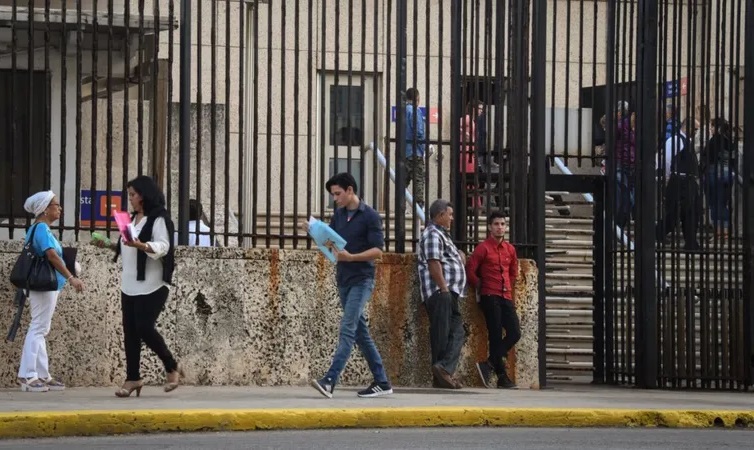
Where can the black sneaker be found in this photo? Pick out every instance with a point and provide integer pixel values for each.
(325, 386)
(503, 382)
(484, 370)
(376, 390)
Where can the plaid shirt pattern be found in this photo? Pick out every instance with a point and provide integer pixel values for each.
(436, 244)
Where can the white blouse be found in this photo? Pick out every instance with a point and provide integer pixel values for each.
(160, 244)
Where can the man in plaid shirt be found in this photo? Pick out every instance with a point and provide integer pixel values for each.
(443, 280)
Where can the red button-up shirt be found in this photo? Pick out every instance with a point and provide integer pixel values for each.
(492, 268)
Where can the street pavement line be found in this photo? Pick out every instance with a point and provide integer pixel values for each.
(91, 423)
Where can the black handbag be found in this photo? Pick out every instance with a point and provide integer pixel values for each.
(32, 272)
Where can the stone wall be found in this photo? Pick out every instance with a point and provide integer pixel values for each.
(255, 317)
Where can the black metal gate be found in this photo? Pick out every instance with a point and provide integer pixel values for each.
(679, 184)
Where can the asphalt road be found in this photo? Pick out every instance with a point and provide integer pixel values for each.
(416, 439)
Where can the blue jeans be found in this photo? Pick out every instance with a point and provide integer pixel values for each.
(624, 195)
(354, 329)
(719, 183)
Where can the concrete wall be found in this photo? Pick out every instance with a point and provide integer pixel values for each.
(255, 317)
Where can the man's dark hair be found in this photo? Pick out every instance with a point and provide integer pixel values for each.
(412, 94)
(153, 200)
(494, 215)
(344, 180)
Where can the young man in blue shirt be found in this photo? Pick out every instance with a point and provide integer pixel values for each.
(361, 227)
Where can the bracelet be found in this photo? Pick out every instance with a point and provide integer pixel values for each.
(70, 278)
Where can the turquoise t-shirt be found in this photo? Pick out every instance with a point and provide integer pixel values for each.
(43, 241)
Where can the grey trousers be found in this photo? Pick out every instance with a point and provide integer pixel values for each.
(446, 334)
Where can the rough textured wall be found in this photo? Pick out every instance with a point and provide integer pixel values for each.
(254, 317)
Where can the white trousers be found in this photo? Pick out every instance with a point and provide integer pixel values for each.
(34, 356)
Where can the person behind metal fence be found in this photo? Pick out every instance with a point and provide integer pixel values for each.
(147, 273)
(682, 197)
(361, 227)
(197, 225)
(415, 144)
(492, 270)
(443, 281)
(33, 373)
(718, 162)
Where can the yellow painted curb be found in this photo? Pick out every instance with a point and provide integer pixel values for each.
(89, 423)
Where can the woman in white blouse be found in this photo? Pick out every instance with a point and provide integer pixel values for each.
(148, 264)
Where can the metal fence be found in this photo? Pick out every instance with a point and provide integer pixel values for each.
(248, 107)
(677, 309)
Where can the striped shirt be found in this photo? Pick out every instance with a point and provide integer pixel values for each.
(435, 244)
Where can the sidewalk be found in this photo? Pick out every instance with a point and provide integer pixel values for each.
(91, 411)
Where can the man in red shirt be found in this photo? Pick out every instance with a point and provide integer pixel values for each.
(492, 270)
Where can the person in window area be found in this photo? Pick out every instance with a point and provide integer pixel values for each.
(33, 373)
(361, 227)
(682, 199)
(718, 160)
(625, 164)
(197, 221)
(486, 162)
(492, 270)
(671, 121)
(147, 272)
(443, 280)
(415, 144)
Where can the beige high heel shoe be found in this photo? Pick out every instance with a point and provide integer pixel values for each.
(174, 379)
(128, 387)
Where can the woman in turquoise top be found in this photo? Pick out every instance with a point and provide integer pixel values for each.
(33, 374)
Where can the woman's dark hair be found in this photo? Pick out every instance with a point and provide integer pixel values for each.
(196, 212)
(721, 127)
(412, 94)
(153, 200)
(344, 180)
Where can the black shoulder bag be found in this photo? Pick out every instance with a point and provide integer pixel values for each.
(32, 272)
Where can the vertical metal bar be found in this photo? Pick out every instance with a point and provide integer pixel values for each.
(110, 119)
(228, 86)
(646, 323)
(598, 328)
(310, 185)
(140, 90)
(212, 129)
(322, 108)
(567, 81)
(268, 139)
(456, 109)
(241, 108)
(281, 205)
(254, 133)
(375, 93)
(63, 111)
(31, 56)
(14, 108)
(79, 76)
(400, 134)
(48, 100)
(296, 115)
(184, 150)
(93, 97)
(388, 101)
(169, 151)
(364, 138)
(517, 121)
(538, 99)
(199, 111)
(440, 61)
(748, 201)
(612, 339)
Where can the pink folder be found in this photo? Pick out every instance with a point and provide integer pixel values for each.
(123, 220)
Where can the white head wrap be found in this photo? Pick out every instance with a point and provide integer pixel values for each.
(37, 203)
